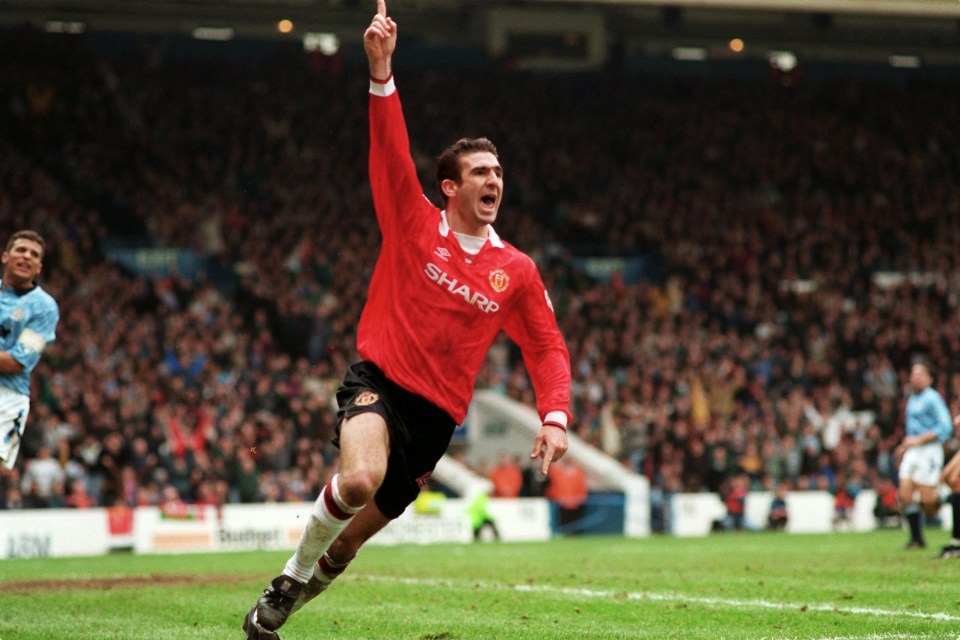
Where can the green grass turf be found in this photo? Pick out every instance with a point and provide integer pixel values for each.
(746, 585)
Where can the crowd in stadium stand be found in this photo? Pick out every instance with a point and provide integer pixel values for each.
(800, 247)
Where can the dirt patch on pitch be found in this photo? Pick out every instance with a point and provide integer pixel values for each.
(113, 583)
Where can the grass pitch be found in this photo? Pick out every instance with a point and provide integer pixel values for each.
(847, 586)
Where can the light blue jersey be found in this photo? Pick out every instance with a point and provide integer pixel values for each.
(926, 413)
(28, 323)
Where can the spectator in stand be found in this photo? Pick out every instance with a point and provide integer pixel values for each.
(13, 499)
(534, 483)
(77, 497)
(734, 495)
(720, 468)
(779, 516)
(506, 476)
(108, 469)
(887, 508)
(751, 464)
(245, 479)
(42, 485)
(845, 494)
(567, 488)
(770, 294)
(172, 505)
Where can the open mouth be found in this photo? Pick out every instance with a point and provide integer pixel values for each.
(489, 200)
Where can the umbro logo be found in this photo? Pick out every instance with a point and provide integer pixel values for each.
(442, 253)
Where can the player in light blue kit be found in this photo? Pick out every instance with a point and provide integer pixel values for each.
(28, 322)
(928, 426)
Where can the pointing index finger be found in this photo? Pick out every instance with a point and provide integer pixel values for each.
(382, 8)
(547, 459)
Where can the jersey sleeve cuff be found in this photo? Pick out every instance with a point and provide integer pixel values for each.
(382, 88)
(558, 417)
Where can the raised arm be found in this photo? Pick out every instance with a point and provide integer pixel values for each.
(397, 193)
(379, 41)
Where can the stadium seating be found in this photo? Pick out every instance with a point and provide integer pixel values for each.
(742, 271)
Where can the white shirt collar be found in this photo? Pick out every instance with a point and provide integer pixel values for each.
(493, 237)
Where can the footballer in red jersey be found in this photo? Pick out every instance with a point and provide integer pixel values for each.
(444, 286)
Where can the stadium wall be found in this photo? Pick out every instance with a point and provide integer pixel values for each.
(697, 514)
(31, 533)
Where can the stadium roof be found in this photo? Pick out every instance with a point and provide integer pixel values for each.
(843, 30)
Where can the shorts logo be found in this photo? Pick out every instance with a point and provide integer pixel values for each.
(365, 398)
(499, 280)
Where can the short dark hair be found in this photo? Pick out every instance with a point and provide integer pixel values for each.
(26, 234)
(448, 162)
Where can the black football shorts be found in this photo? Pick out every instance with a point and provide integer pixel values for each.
(419, 430)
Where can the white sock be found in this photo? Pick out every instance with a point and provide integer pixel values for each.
(330, 516)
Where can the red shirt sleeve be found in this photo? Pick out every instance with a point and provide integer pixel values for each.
(533, 326)
(393, 176)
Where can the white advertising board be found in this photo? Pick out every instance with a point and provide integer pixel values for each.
(520, 520)
(41, 533)
(157, 532)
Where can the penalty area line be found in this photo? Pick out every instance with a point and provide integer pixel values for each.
(675, 597)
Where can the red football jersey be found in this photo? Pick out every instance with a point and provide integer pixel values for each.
(433, 310)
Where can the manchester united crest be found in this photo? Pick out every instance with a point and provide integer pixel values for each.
(499, 280)
(365, 399)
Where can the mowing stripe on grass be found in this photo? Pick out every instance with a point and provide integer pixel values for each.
(674, 597)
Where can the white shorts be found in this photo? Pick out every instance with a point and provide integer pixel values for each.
(14, 408)
(923, 464)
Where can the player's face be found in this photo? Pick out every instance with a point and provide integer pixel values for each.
(480, 190)
(22, 263)
(919, 377)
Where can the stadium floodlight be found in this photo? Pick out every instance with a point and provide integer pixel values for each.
(326, 43)
(221, 34)
(904, 62)
(785, 61)
(689, 54)
(64, 26)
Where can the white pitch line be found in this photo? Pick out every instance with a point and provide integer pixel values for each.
(671, 597)
(873, 636)
(879, 636)
(753, 604)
